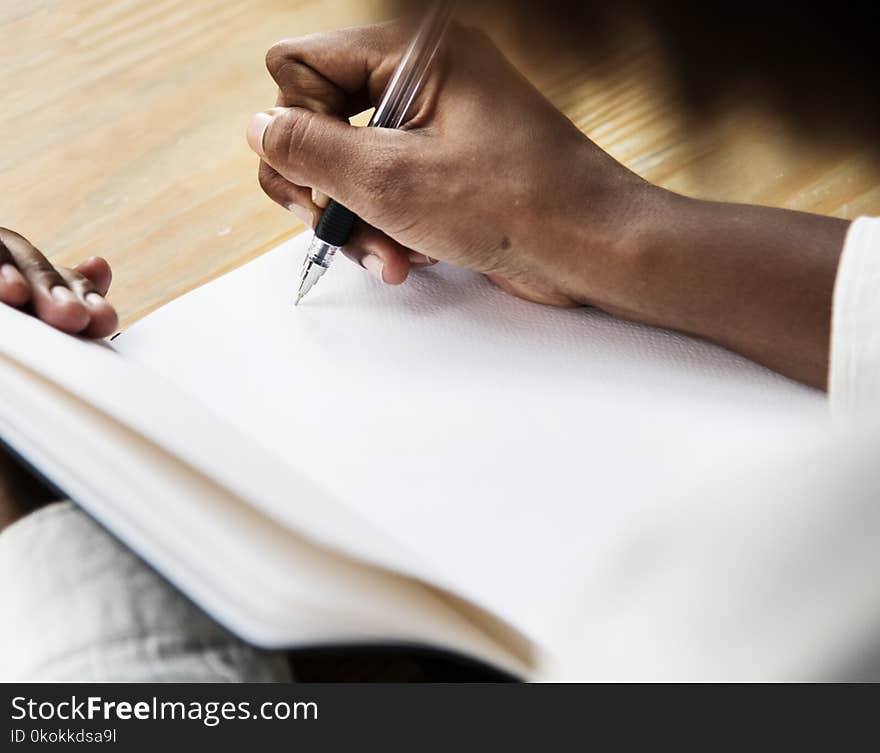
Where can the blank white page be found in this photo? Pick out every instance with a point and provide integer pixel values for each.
(502, 440)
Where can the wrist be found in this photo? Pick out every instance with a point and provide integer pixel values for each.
(757, 280)
(619, 230)
(652, 258)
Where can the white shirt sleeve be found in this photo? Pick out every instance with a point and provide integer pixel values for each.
(854, 376)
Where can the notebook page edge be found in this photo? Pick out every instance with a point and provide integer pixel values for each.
(258, 622)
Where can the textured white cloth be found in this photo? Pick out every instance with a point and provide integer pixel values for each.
(78, 607)
(854, 377)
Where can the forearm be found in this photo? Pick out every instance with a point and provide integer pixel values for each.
(757, 280)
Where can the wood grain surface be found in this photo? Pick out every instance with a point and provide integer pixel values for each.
(122, 133)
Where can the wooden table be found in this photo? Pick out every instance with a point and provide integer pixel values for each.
(122, 134)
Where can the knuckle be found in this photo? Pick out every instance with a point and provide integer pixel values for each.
(266, 179)
(299, 83)
(44, 275)
(275, 186)
(277, 55)
(38, 268)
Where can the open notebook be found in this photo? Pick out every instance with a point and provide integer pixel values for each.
(433, 464)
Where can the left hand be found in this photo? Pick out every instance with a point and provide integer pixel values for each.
(71, 300)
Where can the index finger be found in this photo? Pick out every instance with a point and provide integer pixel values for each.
(14, 289)
(337, 72)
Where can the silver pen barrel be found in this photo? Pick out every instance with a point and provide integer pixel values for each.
(318, 259)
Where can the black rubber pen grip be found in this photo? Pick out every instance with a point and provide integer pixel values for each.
(335, 224)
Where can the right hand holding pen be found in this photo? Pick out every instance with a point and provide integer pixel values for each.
(488, 175)
(485, 174)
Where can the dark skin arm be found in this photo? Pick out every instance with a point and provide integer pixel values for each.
(754, 279)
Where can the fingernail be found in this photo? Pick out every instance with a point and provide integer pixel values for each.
(416, 258)
(63, 295)
(374, 265)
(255, 131)
(302, 214)
(320, 199)
(93, 299)
(10, 273)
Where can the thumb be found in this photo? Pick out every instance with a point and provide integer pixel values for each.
(351, 164)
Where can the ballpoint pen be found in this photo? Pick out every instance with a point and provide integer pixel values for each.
(334, 228)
